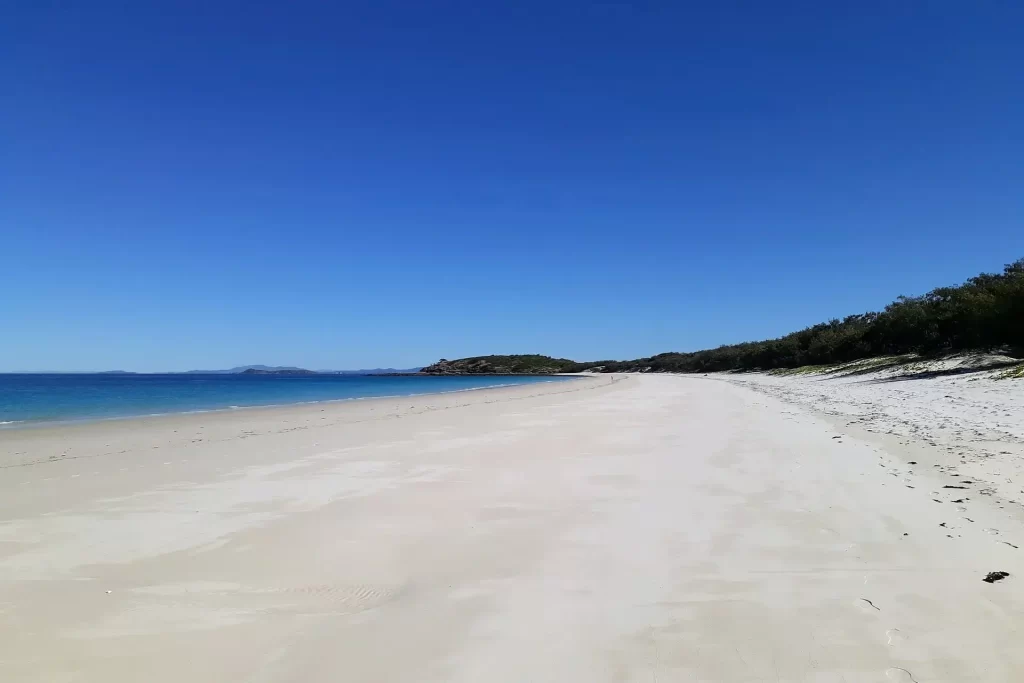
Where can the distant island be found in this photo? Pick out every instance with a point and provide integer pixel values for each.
(240, 370)
(282, 371)
(253, 370)
(291, 370)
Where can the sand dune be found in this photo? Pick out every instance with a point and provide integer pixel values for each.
(641, 528)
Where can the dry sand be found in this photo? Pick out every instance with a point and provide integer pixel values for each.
(967, 424)
(642, 528)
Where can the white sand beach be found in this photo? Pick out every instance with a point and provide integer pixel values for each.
(968, 423)
(626, 528)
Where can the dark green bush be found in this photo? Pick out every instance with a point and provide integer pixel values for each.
(984, 313)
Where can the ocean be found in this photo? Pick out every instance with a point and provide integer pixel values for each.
(37, 398)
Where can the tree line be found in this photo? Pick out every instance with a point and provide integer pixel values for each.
(984, 313)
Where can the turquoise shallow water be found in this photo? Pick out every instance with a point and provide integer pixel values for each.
(26, 399)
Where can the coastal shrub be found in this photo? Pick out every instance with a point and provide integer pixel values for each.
(984, 313)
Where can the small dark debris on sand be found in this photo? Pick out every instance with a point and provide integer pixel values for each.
(959, 500)
(1010, 544)
(911, 462)
(947, 486)
(992, 577)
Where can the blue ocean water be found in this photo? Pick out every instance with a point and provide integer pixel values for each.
(26, 399)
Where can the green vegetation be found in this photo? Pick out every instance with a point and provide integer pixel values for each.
(500, 365)
(1016, 372)
(986, 312)
(852, 368)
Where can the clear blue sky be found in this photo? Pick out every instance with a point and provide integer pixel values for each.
(359, 184)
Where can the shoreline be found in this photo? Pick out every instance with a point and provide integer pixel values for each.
(16, 425)
(18, 442)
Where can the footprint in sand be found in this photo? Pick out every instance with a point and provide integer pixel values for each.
(866, 605)
(894, 636)
(899, 675)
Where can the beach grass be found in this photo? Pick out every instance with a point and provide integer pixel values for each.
(1015, 372)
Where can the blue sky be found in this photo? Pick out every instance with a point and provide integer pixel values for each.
(360, 184)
